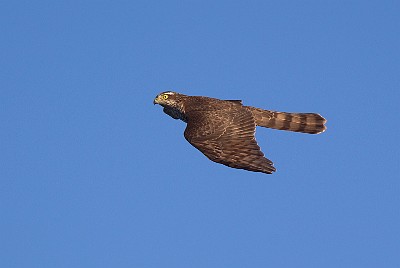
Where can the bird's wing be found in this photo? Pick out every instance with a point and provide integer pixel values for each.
(227, 137)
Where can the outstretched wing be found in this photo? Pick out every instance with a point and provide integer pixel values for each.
(227, 136)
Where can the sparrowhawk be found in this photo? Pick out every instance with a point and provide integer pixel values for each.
(223, 130)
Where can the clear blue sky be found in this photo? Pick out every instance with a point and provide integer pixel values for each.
(94, 175)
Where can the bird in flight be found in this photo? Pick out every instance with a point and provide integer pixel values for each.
(223, 130)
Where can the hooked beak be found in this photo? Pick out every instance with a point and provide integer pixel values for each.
(155, 101)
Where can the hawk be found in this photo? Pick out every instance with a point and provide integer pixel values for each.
(223, 130)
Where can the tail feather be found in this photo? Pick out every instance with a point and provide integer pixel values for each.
(311, 123)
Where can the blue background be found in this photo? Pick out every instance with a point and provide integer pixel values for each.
(94, 175)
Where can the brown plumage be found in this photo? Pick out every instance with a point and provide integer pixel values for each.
(223, 130)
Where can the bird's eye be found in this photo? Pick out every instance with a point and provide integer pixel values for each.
(165, 97)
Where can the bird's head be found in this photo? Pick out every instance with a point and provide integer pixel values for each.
(168, 99)
(173, 104)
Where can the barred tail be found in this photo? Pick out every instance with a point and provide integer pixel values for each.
(299, 122)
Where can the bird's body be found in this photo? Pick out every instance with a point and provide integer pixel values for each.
(223, 130)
